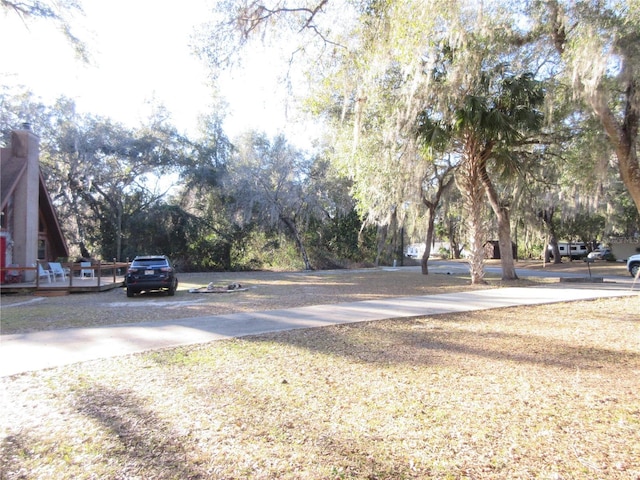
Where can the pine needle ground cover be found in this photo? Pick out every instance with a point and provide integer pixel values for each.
(548, 392)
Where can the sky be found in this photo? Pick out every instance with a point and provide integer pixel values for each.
(139, 52)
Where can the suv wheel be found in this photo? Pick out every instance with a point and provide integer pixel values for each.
(633, 269)
(130, 292)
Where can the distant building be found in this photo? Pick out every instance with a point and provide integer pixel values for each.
(623, 247)
(492, 250)
(29, 227)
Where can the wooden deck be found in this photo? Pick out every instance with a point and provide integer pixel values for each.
(61, 287)
(106, 277)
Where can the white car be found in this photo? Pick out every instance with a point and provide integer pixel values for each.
(633, 265)
(599, 254)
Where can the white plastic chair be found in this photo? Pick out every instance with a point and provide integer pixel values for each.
(86, 271)
(44, 273)
(57, 270)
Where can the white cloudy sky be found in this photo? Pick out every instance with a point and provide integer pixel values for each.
(140, 51)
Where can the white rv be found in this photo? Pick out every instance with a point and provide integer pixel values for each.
(568, 249)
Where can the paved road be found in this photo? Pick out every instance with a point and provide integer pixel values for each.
(21, 353)
(463, 268)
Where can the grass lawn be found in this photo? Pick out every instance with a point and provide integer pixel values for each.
(545, 392)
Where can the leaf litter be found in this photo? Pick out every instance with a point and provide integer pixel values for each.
(530, 392)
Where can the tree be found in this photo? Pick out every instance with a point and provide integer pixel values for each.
(494, 113)
(98, 172)
(371, 91)
(269, 181)
(599, 43)
(438, 179)
(374, 76)
(451, 224)
(100, 164)
(378, 77)
(203, 194)
(237, 22)
(585, 228)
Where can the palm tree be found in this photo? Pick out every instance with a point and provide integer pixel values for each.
(486, 125)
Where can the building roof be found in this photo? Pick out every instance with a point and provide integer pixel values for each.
(11, 172)
(58, 243)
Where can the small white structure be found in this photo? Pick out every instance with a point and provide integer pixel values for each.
(415, 250)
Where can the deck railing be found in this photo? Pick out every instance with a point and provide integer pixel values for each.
(16, 274)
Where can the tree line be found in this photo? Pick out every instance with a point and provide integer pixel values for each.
(209, 203)
(516, 96)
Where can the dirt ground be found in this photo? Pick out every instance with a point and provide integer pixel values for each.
(599, 267)
(529, 392)
(262, 291)
(539, 392)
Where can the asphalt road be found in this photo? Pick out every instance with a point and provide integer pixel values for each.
(440, 266)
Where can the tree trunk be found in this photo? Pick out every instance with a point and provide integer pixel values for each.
(547, 218)
(472, 190)
(506, 250)
(119, 232)
(504, 226)
(381, 239)
(456, 247)
(305, 257)
(476, 250)
(298, 239)
(431, 216)
(623, 138)
(226, 255)
(553, 241)
(622, 134)
(443, 184)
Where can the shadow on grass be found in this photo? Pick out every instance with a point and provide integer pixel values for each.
(15, 450)
(142, 441)
(416, 343)
(135, 440)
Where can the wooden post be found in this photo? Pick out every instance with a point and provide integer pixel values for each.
(589, 260)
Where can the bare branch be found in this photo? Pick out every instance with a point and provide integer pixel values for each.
(29, 10)
(40, 9)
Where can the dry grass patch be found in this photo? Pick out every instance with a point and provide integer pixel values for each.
(519, 393)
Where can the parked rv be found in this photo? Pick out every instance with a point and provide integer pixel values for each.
(572, 250)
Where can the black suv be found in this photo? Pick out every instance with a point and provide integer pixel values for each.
(151, 272)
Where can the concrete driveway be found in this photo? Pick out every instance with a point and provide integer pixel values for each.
(21, 353)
